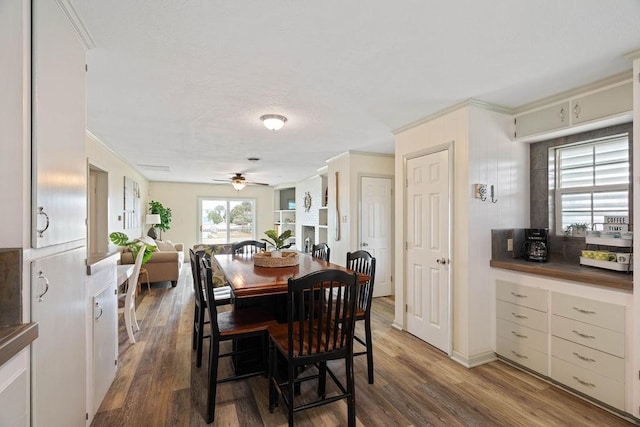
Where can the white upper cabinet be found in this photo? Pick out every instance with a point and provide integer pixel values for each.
(607, 106)
(59, 127)
(543, 120)
(598, 105)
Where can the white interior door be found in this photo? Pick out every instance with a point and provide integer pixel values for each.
(427, 268)
(375, 229)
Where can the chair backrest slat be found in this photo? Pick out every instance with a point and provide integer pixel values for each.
(363, 263)
(322, 305)
(207, 283)
(321, 251)
(248, 247)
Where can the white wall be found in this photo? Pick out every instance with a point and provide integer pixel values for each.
(636, 220)
(351, 166)
(15, 123)
(103, 158)
(484, 153)
(183, 201)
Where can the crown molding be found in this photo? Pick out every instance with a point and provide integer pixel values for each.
(466, 103)
(634, 54)
(78, 25)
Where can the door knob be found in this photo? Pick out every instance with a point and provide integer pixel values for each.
(442, 261)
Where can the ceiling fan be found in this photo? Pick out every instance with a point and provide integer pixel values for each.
(239, 182)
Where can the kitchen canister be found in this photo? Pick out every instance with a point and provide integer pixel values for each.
(623, 258)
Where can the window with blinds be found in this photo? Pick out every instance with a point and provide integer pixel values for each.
(592, 181)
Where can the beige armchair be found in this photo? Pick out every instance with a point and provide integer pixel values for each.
(165, 263)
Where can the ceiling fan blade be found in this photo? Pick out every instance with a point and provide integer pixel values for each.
(255, 183)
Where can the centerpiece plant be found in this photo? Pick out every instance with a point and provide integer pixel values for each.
(278, 242)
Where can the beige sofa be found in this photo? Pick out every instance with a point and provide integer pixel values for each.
(165, 263)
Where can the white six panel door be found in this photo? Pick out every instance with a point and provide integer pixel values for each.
(375, 233)
(427, 269)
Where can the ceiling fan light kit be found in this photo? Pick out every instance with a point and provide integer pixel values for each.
(273, 122)
(238, 185)
(239, 182)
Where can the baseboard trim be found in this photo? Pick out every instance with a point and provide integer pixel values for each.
(475, 360)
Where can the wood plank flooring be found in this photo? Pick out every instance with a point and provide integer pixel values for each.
(157, 383)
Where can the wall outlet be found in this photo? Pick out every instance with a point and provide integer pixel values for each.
(509, 244)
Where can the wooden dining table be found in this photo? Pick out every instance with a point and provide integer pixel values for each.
(264, 288)
(250, 281)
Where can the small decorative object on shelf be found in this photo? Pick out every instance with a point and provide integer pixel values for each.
(576, 230)
(615, 234)
(266, 259)
(307, 202)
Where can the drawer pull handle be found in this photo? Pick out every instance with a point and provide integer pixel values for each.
(519, 335)
(521, 356)
(583, 382)
(518, 295)
(585, 358)
(519, 316)
(583, 311)
(580, 334)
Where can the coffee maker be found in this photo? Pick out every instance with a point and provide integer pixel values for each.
(536, 244)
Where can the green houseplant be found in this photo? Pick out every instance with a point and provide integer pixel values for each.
(165, 218)
(278, 242)
(121, 239)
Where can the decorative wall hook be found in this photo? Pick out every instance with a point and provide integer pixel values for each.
(480, 191)
(493, 199)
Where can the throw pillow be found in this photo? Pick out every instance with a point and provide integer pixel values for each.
(165, 246)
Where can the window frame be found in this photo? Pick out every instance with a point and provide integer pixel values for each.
(227, 200)
(555, 171)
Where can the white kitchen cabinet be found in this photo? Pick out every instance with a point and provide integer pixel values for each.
(105, 342)
(609, 105)
(588, 347)
(543, 120)
(58, 304)
(102, 328)
(522, 325)
(58, 127)
(14, 391)
(601, 104)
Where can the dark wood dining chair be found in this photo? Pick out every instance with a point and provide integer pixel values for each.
(248, 247)
(322, 251)
(319, 328)
(362, 262)
(238, 323)
(222, 297)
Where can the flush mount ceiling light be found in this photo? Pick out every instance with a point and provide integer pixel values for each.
(273, 121)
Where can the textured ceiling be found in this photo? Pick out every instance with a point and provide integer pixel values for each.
(182, 83)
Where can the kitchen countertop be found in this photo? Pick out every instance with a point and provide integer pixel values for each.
(14, 338)
(98, 261)
(566, 271)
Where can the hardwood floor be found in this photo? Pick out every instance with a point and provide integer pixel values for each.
(415, 385)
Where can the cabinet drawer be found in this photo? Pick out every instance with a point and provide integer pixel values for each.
(598, 313)
(522, 315)
(608, 366)
(604, 389)
(526, 296)
(526, 336)
(523, 355)
(588, 335)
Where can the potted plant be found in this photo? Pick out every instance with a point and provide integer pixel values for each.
(278, 242)
(165, 218)
(578, 229)
(121, 239)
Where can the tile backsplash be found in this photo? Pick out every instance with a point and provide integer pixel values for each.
(10, 286)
